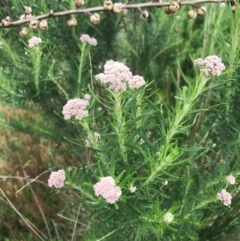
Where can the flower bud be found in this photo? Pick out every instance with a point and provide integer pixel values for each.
(43, 24)
(201, 10)
(34, 24)
(192, 14)
(28, 10)
(79, 3)
(72, 22)
(124, 12)
(95, 18)
(23, 32)
(117, 7)
(145, 14)
(108, 5)
(174, 6)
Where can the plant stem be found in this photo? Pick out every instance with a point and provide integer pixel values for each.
(80, 67)
(165, 159)
(120, 122)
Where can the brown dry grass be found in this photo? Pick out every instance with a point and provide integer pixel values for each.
(27, 156)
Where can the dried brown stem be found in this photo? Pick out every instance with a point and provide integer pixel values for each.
(51, 14)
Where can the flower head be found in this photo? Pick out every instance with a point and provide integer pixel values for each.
(132, 189)
(210, 65)
(34, 41)
(230, 179)
(57, 179)
(75, 108)
(225, 197)
(92, 41)
(168, 217)
(85, 38)
(116, 75)
(107, 189)
(87, 97)
(136, 82)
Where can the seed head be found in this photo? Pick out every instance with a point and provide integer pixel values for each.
(79, 3)
(167, 10)
(174, 6)
(33, 24)
(117, 7)
(201, 10)
(108, 5)
(95, 18)
(144, 14)
(28, 10)
(43, 24)
(192, 14)
(23, 32)
(72, 22)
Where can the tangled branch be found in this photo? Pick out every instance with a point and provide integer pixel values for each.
(89, 11)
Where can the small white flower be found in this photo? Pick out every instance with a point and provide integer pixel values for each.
(141, 141)
(165, 183)
(132, 189)
(168, 218)
(231, 179)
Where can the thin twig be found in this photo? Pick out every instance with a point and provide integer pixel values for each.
(71, 220)
(51, 14)
(33, 180)
(75, 224)
(30, 225)
(36, 200)
(23, 178)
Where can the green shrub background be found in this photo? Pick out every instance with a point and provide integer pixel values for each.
(160, 48)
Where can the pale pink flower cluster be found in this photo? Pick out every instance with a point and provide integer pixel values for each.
(117, 76)
(75, 108)
(57, 179)
(96, 136)
(230, 179)
(210, 65)
(107, 189)
(34, 41)
(85, 38)
(136, 82)
(225, 197)
(132, 189)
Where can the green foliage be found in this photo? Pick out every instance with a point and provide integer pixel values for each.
(189, 123)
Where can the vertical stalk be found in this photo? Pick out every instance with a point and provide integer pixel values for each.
(120, 123)
(80, 67)
(165, 159)
(37, 67)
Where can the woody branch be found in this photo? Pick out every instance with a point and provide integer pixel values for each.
(53, 14)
